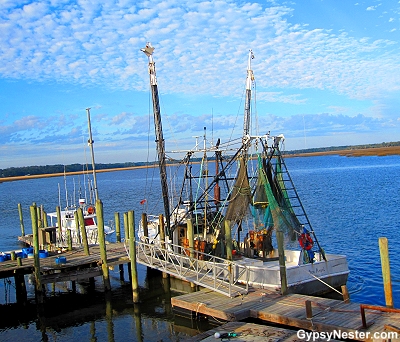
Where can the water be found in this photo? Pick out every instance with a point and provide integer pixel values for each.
(351, 202)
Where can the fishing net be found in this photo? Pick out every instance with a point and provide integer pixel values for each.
(240, 198)
(279, 206)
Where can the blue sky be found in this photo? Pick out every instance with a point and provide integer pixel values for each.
(327, 73)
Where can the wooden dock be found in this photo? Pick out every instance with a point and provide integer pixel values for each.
(325, 315)
(78, 265)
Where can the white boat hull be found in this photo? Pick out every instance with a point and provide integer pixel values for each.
(313, 279)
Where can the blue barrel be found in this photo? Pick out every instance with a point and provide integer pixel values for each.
(8, 256)
(2, 258)
(27, 250)
(20, 255)
(61, 260)
(43, 254)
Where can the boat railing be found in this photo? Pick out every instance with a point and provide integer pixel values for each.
(218, 274)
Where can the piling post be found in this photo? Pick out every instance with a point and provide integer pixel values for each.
(21, 220)
(38, 283)
(190, 236)
(308, 309)
(161, 229)
(145, 226)
(118, 239)
(83, 231)
(126, 232)
(282, 264)
(78, 235)
(132, 256)
(345, 292)
(58, 211)
(117, 227)
(162, 237)
(44, 218)
(126, 228)
(387, 283)
(69, 239)
(228, 240)
(102, 244)
(38, 216)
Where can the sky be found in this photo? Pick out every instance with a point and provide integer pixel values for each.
(327, 73)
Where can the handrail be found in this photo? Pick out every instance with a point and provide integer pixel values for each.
(206, 270)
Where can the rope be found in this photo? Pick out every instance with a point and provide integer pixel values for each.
(325, 283)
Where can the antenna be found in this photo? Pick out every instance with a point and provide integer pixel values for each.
(90, 142)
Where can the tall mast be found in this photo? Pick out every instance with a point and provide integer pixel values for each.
(148, 50)
(249, 81)
(90, 142)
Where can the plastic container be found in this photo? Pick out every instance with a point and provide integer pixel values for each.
(43, 253)
(61, 260)
(20, 255)
(3, 258)
(27, 250)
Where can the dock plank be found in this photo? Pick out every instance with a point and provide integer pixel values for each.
(329, 315)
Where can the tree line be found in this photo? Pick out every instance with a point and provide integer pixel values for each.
(59, 168)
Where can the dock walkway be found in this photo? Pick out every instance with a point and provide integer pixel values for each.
(328, 315)
(78, 265)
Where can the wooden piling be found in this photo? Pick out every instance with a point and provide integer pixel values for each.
(59, 224)
(228, 240)
(69, 239)
(132, 255)
(117, 227)
(38, 283)
(387, 283)
(21, 220)
(126, 228)
(282, 264)
(118, 239)
(190, 237)
(162, 237)
(308, 309)
(78, 235)
(82, 227)
(144, 224)
(161, 229)
(345, 293)
(126, 234)
(102, 244)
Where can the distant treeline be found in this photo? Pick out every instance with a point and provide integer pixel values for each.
(51, 169)
(340, 148)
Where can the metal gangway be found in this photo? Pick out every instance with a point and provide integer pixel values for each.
(206, 270)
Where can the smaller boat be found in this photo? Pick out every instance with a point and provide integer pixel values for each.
(68, 216)
(68, 222)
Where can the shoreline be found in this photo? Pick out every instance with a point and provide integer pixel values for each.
(361, 152)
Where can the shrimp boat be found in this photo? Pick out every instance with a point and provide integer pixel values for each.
(241, 203)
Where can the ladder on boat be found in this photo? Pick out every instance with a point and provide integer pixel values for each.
(220, 275)
(293, 197)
